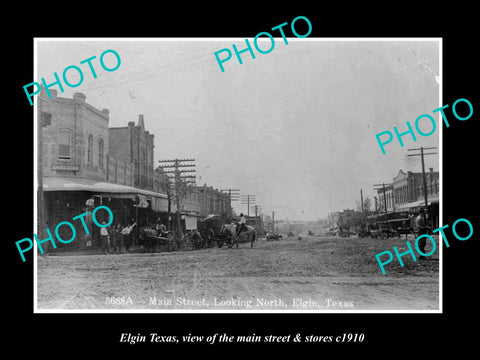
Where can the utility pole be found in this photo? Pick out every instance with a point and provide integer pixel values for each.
(422, 154)
(363, 211)
(361, 199)
(257, 209)
(180, 183)
(382, 186)
(273, 221)
(248, 200)
(233, 195)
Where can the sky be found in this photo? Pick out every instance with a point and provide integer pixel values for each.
(295, 127)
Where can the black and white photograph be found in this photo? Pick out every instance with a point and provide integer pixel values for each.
(218, 178)
(232, 175)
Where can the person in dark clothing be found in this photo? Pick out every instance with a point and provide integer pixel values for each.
(241, 225)
(117, 237)
(422, 228)
(127, 233)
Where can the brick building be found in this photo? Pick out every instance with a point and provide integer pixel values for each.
(132, 143)
(387, 197)
(213, 201)
(76, 142)
(409, 189)
(405, 196)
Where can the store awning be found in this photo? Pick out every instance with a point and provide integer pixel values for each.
(158, 200)
(418, 203)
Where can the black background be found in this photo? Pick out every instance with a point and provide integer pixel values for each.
(385, 334)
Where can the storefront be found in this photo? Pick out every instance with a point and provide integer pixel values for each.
(433, 218)
(66, 198)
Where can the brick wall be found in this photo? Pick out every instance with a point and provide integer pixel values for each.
(66, 139)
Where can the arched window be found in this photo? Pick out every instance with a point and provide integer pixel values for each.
(90, 149)
(65, 144)
(100, 153)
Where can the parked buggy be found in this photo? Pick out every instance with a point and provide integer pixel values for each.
(154, 240)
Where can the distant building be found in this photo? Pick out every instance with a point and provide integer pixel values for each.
(433, 186)
(386, 199)
(213, 201)
(409, 189)
(406, 195)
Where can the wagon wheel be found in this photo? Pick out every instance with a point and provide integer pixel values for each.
(197, 241)
(229, 240)
(171, 242)
(188, 243)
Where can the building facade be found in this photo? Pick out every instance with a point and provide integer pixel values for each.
(75, 144)
(213, 201)
(386, 199)
(433, 186)
(406, 195)
(132, 143)
(405, 185)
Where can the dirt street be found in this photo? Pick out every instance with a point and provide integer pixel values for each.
(312, 274)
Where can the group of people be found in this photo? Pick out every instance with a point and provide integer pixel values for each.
(114, 236)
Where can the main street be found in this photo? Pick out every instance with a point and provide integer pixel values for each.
(312, 274)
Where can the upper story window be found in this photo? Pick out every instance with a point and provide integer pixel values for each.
(100, 153)
(90, 149)
(65, 144)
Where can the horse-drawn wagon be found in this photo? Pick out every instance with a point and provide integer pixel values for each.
(229, 236)
(210, 230)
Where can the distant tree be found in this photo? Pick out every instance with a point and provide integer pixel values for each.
(367, 205)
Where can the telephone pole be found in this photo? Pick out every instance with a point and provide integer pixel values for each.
(363, 210)
(257, 209)
(181, 182)
(233, 195)
(382, 186)
(361, 199)
(273, 221)
(248, 200)
(422, 154)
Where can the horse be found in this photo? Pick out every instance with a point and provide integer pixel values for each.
(228, 232)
